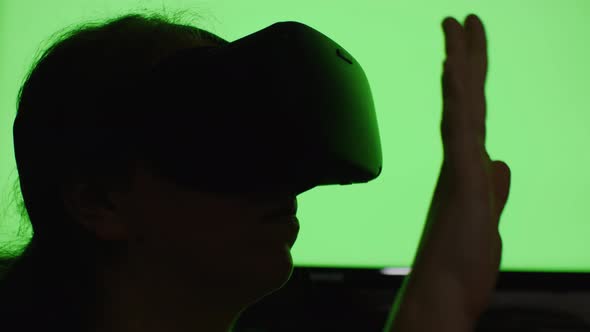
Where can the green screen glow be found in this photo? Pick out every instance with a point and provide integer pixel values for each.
(538, 97)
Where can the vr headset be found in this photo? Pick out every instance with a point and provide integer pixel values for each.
(280, 111)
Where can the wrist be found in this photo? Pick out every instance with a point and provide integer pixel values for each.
(429, 306)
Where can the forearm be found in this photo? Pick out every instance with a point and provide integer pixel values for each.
(428, 306)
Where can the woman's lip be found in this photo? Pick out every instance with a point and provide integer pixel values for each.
(287, 225)
(287, 210)
(281, 219)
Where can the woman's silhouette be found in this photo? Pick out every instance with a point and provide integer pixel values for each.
(187, 260)
(117, 247)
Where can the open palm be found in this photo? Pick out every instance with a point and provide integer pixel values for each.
(456, 266)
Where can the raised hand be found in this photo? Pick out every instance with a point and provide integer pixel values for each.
(456, 266)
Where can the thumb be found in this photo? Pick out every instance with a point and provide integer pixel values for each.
(501, 176)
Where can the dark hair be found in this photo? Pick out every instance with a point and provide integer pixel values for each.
(72, 81)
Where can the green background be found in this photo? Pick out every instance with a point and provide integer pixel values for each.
(538, 97)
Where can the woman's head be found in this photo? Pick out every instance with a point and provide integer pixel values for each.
(107, 222)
